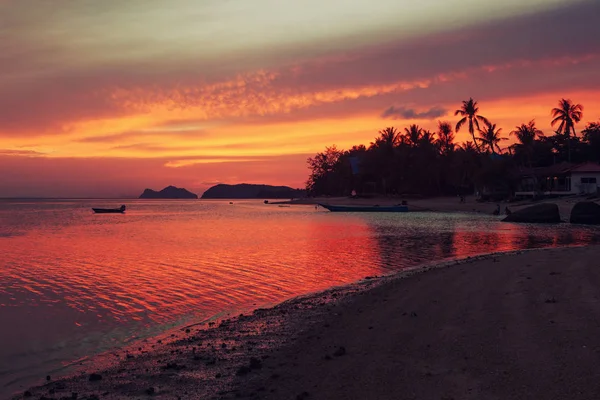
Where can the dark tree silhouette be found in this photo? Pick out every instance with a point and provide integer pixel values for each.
(526, 135)
(567, 115)
(468, 112)
(445, 137)
(413, 135)
(490, 137)
(415, 161)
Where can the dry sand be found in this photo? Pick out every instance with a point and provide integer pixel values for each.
(516, 326)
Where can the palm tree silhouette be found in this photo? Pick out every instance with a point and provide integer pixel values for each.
(469, 111)
(567, 114)
(413, 134)
(389, 139)
(490, 137)
(526, 134)
(445, 137)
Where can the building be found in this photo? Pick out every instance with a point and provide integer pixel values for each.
(559, 179)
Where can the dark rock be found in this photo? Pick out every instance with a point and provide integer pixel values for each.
(302, 396)
(546, 213)
(173, 366)
(150, 391)
(255, 363)
(48, 377)
(27, 394)
(170, 192)
(95, 377)
(586, 212)
(340, 351)
(243, 370)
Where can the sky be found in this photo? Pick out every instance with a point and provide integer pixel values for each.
(107, 98)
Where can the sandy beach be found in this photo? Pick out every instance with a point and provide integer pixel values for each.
(446, 204)
(515, 326)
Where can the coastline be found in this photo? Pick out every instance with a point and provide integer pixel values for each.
(274, 349)
(448, 204)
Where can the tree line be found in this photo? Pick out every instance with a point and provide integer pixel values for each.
(422, 162)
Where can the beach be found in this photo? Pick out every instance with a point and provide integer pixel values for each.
(507, 326)
(446, 204)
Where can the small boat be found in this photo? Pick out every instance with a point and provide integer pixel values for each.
(119, 210)
(375, 208)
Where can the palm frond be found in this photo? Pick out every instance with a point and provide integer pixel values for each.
(460, 123)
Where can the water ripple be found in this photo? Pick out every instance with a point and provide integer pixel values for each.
(73, 284)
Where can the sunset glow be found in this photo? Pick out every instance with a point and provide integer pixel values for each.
(107, 98)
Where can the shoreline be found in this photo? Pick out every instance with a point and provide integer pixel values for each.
(444, 204)
(215, 362)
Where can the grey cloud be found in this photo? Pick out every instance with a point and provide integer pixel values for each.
(411, 113)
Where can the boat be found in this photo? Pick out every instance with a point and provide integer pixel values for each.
(119, 210)
(375, 208)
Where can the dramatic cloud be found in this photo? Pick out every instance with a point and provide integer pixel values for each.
(411, 113)
(144, 80)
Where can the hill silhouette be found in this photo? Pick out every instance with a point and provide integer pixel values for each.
(170, 192)
(252, 191)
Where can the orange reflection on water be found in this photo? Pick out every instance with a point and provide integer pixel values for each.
(74, 283)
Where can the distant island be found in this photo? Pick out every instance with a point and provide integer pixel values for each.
(250, 191)
(170, 192)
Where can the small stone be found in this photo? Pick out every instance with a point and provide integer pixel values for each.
(48, 377)
(243, 370)
(95, 377)
(340, 351)
(255, 363)
(150, 391)
(27, 394)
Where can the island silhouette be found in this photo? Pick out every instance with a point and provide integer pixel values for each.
(170, 192)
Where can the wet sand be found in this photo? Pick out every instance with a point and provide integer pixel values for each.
(518, 326)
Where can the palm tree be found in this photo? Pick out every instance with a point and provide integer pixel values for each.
(469, 111)
(413, 134)
(445, 137)
(490, 137)
(526, 135)
(427, 139)
(567, 114)
(389, 138)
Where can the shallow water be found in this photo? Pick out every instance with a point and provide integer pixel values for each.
(74, 284)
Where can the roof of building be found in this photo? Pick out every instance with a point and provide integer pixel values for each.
(586, 167)
(561, 168)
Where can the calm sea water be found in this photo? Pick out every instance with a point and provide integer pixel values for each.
(74, 284)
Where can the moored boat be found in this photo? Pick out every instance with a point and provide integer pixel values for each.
(357, 208)
(119, 210)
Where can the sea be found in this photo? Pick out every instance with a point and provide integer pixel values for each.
(74, 284)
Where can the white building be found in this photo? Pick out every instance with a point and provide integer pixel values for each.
(560, 179)
(585, 178)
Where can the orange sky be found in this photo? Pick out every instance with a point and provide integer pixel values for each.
(107, 104)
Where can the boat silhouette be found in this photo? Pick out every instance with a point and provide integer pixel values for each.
(119, 210)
